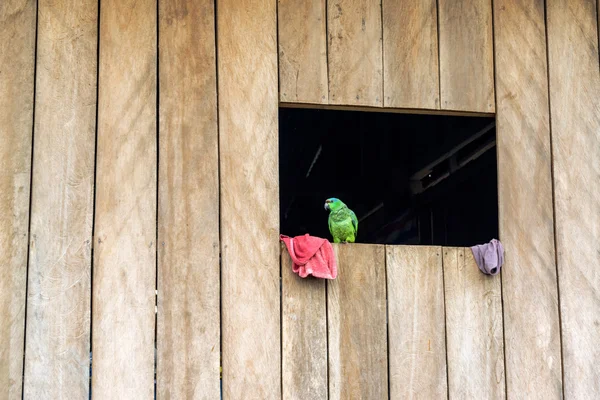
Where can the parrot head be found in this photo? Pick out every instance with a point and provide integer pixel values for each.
(333, 204)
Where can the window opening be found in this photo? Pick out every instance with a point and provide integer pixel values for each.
(410, 179)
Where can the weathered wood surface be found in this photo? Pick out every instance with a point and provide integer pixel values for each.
(124, 269)
(466, 55)
(188, 330)
(17, 57)
(303, 51)
(59, 293)
(303, 334)
(529, 284)
(355, 52)
(575, 114)
(410, 53)
(473, 328)
(417, 343)
(250, 289)
(356, 313)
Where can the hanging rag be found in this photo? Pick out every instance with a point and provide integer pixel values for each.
(311, 256)
(489, 257)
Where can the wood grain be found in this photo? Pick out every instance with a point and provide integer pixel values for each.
(59, 293)
(250, 289)
(529, 286)
(575, 110)
(410, 52)
(303, 51)
(188, 331)
(303, 334)
(357, 324)
(124, 269)
(17, 57)
(417, 345)
(466, 55)
(355, 52)
(473, 328)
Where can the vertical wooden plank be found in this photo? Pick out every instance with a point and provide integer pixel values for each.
(188, 332)
(529, 287)
(303, 335)
(416, 322)
(410, 53)
(466, 55)
(302, 51)
(250, 289)
(473, 329)
(575, 111)
(17, 54)
(58, 305)
(357, 324)
(124, 269)
(355, 52)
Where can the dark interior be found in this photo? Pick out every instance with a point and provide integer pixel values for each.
(410, 179)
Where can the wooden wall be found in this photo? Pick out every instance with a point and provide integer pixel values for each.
(17, 59)
(575, 118)
(134, 210)
(536, 65)
(57, 347)
(188, 324)
(250, 289)
(424, 320)
(124, 263)
(387, 53)
(525, 189)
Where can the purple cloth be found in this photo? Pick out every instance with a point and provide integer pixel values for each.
(489, 257)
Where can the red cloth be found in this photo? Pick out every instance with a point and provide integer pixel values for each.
(311, 256)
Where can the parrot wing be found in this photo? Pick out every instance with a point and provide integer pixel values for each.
(354, 222)
(329, 222)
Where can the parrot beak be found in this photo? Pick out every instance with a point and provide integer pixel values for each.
(326, 206)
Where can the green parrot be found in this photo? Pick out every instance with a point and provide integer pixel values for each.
(343, 224)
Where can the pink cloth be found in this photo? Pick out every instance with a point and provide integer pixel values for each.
(489, 257)
(311, 256)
